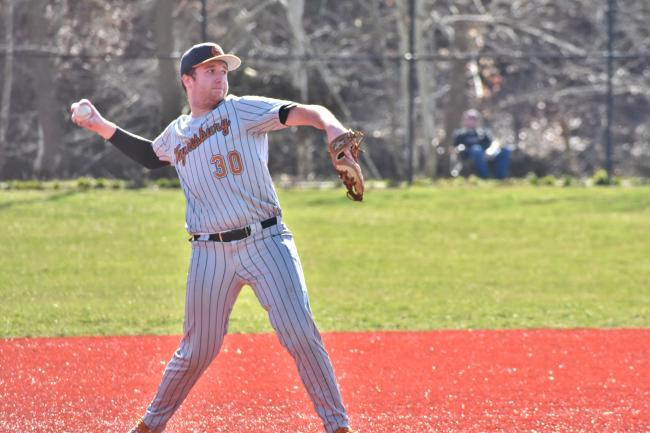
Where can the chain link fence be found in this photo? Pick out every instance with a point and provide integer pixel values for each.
(563, 112)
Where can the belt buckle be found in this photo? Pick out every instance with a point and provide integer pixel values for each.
(247, 230)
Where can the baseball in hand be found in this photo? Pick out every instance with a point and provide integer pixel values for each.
(83, 111)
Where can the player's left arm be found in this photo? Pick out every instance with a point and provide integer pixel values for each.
(316, 116)
(344, 145)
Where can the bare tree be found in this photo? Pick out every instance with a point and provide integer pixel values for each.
(300, 79)
(457, 101)
(50, 112)
(163, 36)
(5, 108)
(426, 89)
(403, 44)
(535, 68)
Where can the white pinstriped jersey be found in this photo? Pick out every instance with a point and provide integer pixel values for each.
(222, 162)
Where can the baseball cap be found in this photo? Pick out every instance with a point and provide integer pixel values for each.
(205, 52)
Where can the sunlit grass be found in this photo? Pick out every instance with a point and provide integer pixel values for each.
(114, 262)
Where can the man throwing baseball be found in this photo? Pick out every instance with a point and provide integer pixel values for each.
(220, 152)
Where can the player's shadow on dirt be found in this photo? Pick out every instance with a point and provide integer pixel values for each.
(51, 198)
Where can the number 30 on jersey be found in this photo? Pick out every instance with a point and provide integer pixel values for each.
(232, 162)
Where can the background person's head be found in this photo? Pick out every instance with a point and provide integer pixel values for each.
(471, 119)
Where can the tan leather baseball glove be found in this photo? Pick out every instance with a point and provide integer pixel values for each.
(344, 151)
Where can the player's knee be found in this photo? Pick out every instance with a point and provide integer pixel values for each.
(190, 359)
(301, 343)
(181, 361)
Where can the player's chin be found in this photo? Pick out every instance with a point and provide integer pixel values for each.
(221, 90)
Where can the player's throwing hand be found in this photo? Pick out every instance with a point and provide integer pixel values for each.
(85, 115)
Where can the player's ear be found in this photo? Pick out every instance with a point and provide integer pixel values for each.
(186, 79)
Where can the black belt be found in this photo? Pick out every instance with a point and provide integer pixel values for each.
(237, 234)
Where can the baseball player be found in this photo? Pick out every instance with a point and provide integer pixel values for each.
(233, 216)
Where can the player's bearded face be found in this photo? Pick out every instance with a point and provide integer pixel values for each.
(210, 83)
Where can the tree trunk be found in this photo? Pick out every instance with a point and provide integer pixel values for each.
(50, 114)
(426, 86)
(295, 10)
(402, 103)
(5, 107)
(457, 94)
(168, 79)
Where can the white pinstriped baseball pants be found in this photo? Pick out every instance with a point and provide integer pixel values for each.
(267, 261)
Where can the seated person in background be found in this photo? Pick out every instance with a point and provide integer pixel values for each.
(475, 143)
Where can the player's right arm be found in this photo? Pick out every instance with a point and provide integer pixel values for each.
(135, 147)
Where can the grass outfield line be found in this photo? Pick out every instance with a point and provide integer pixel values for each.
(114, 262)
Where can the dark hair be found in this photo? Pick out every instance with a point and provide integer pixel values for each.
(191, 73)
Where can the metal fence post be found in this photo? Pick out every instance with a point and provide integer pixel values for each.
(410, 57)
(611, 10)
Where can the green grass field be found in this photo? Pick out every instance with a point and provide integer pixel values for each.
(114, 262)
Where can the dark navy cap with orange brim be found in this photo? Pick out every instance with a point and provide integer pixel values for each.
(207, 52)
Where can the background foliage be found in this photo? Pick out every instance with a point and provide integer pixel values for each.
(536, 69)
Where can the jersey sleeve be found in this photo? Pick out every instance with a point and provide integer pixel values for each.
(163, 146)
(137, 148)
(259, 115)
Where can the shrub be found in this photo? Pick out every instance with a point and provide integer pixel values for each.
(423, 181)
(394, 183)
(116, 184)
(26, 184)
(101, 183)
(569, 181)
(474, 180)
(600, 177)
(165, 182)
(548, 180)
(84, 183)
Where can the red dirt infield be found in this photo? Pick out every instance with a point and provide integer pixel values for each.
(449, 381)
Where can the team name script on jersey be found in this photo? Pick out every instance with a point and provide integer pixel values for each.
(198, 139)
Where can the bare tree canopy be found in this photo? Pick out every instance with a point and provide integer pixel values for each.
(537, 70)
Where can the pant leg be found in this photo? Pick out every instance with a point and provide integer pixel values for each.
(212, 288)
(502, 163)
(477, 154)
(279, 285)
